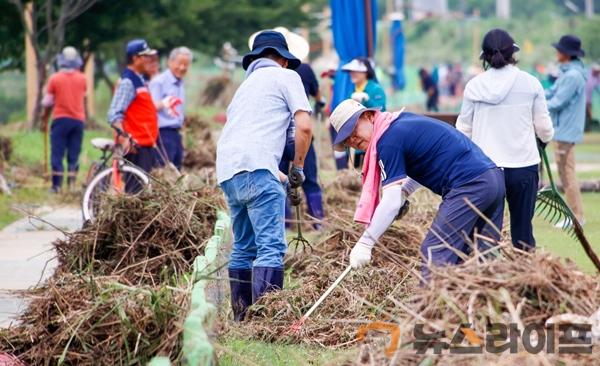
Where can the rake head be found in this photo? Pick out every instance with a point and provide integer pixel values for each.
(299, 242)
(297, 326)
(552, 208)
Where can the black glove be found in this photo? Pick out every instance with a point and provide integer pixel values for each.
(540, 144)
(294, 195)
(296, 177)
(403, 210)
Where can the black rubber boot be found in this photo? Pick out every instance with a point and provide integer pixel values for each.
(240, 283)
(265, 279)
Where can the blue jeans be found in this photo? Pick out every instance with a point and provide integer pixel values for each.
(66, 135)
(256, 202)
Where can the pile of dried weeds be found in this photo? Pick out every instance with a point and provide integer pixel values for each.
(147, 238)
(361, 297)
(200, 148)
(97, 321)
(519, 288)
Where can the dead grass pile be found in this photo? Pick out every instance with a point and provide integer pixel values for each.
(513, 287)
(361, 297)
(76, 321)
(147, 238)
(201, 148)
(344, 190)
(218, 92)
(519, 288)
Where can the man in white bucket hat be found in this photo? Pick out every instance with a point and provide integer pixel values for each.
(435, 155)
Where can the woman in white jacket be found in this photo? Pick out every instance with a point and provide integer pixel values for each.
(503, 111)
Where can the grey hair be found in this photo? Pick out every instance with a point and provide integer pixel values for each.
(181, 51)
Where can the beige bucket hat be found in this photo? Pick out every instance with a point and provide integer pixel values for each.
(344, 118)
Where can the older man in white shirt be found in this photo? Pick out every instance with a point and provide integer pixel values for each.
(168, 94)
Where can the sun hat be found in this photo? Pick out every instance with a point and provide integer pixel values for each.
(69, 58)
(139, 47)
(498, 40)
(344, 118)
(297, 45)
(355, 65)
(570, 45)
(270, 39)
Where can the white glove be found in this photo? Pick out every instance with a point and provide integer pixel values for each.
(169, 103)
(360, 96)
(360, 255)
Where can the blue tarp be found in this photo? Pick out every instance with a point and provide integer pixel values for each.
(397, 39)
(349, 27)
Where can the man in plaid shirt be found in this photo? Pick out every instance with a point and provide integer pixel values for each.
(132, 109)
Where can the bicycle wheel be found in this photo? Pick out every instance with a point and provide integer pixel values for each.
(101, 184)
(95, 167)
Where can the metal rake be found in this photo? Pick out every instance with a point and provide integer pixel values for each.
(553, 208)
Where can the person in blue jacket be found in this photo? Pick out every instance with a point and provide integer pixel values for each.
(311, 187)
(566, 104)
(367, 91)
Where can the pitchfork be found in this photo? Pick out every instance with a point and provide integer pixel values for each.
(550, 203)
(299, 240)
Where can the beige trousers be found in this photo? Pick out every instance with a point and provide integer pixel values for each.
(564, 153)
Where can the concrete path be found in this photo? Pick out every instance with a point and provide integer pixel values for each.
(27, 256)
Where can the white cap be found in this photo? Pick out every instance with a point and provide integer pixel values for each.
(355, 65)
(69, 53)
(297, 45)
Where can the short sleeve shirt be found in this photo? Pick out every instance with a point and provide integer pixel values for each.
(431, 152)
(68, 88)
(257, 120)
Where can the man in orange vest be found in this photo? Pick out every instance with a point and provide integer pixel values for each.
(132, 109)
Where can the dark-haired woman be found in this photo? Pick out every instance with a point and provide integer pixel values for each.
(367, 91)
(503, 111)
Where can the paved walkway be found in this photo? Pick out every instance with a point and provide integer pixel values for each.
(27, 256)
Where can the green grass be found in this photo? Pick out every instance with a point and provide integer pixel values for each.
(28, 148)
(559, 243)
(26, 197)
(28, 152)
(235, 351)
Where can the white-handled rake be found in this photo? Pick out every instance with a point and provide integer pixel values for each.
(297, 326)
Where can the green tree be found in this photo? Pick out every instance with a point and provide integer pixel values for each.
(11, 34)
(589, 31)
(203, 25)
(49, 21)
